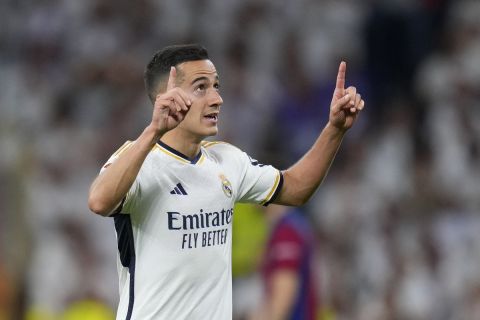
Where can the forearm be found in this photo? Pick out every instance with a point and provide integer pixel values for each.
(303, 178)
(284, 288)
(112, 185)
(282, 302)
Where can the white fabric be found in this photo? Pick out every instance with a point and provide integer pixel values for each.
(183, 242)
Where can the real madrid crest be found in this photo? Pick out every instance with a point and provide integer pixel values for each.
(226, 186)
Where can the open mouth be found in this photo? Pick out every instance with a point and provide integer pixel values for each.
(212, 116)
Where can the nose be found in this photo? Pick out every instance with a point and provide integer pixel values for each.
(215, 99)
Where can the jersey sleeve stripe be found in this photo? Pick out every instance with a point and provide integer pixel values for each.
(277, 190)
(202, 158)
(274, 191)
(207, 144)
(123, 148)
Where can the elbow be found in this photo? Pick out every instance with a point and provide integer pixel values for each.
(294, 193)
(98, 206)
(298, 189)
(298, 202)
(292, 200)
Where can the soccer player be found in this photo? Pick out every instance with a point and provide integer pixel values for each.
(171, 194)
(288, 272)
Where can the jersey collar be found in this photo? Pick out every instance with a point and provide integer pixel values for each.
(177, 154)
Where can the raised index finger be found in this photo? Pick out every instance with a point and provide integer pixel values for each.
(341, 76)
(172, 78)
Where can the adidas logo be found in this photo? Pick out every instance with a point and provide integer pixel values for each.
(179, 190)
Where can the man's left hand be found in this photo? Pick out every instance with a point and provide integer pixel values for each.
(346, 103)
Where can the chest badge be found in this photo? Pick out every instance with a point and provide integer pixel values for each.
(226, 186)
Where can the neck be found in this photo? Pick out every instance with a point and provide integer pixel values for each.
(185, 143)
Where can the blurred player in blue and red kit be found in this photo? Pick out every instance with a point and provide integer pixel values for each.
(288, 272)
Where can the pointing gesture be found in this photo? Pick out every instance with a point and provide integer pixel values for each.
(171, 106)
(172, 78)
(340, 85)
(346, 103)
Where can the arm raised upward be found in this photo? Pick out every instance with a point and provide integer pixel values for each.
(112, 185)
(302, 179)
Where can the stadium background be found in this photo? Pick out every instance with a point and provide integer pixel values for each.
(397, 219)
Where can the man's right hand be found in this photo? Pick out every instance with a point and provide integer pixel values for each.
(170, 107)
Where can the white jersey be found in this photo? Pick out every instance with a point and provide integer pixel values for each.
(174, 230)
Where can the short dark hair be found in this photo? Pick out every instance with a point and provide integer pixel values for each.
(159, 66)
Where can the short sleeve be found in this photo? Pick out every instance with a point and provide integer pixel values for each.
(260, 183)
(128, 202)
(115, 156)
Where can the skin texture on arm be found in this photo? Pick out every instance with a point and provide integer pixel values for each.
(278, 306)
(302, 179)
(284, 289)
(112, 185)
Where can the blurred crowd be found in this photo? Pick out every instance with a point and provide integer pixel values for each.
(398, 218)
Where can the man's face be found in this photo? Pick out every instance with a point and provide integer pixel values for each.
(200, 81)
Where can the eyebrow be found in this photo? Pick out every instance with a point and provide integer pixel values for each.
(204, 78)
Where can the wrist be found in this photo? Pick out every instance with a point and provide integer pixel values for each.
(334, 130)
(150, 135)
(153, 129)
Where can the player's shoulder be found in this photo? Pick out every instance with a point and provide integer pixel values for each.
(124, 147)
(117, 153)
(220, 147)
(224, 152)
(127, 144)
(216, 144)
